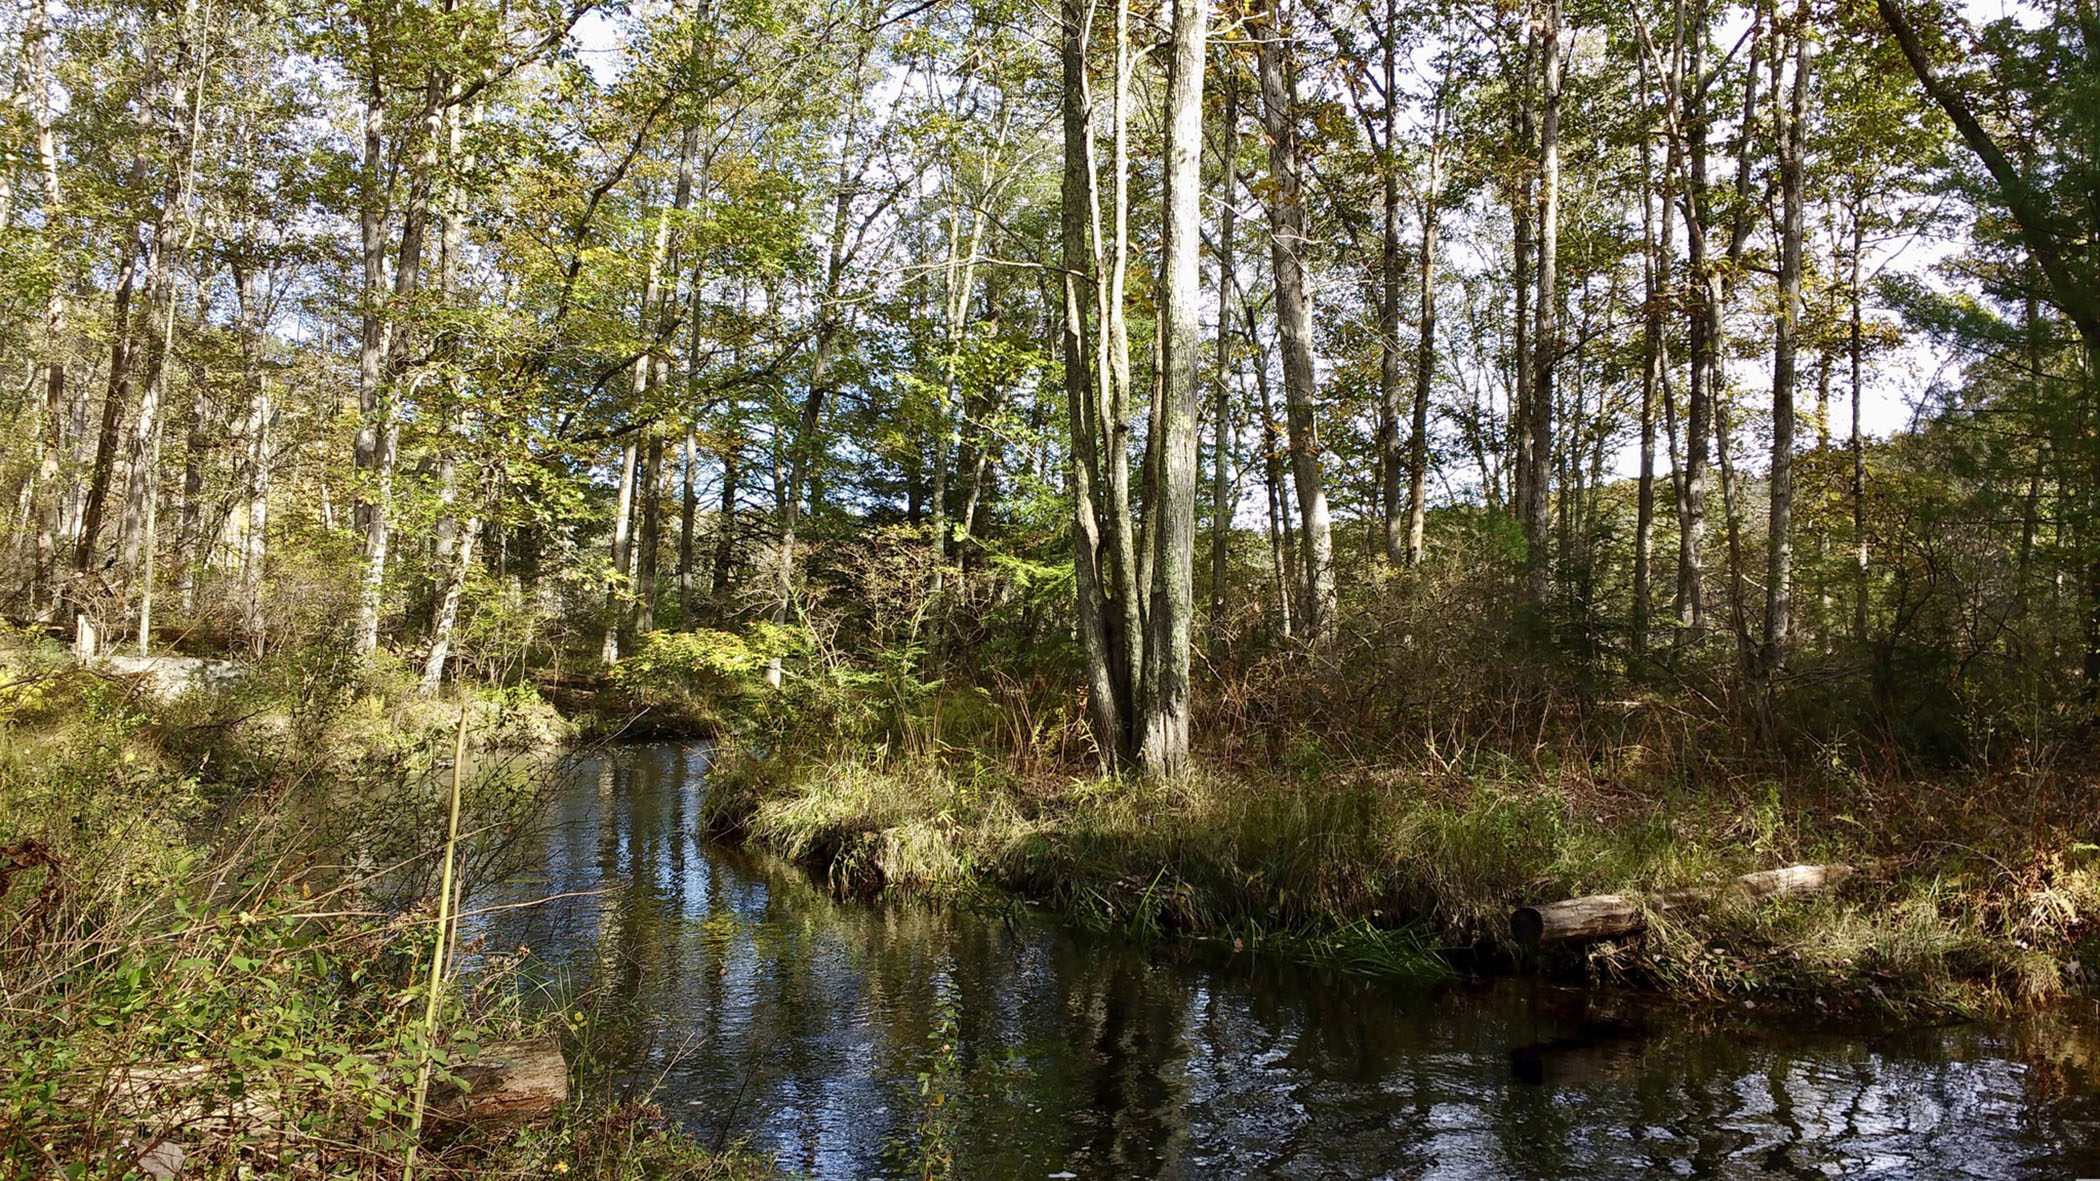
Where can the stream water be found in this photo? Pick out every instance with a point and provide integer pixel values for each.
(865, 1040)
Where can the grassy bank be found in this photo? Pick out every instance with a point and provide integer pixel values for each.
(232, 892)
(1968, 903)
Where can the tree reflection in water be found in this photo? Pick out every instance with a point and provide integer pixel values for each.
(757, 1007)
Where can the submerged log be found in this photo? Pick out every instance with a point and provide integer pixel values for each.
(1601, 916)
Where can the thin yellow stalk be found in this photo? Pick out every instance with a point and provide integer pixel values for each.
(437, 953)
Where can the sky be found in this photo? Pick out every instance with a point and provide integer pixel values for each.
(1898, 386)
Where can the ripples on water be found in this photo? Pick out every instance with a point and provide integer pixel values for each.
(862, 1040)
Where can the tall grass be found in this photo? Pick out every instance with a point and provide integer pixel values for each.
(1314, 858)
(214, 913)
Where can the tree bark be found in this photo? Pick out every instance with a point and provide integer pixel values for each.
(1280, 541)
(50, 517)
(1225, 440)
(1288, 244)
(123, 344)
(1779, 567)
(688, 509)
(1522, 209)
(645, 560)
(1391, 408)
(1856, 444)
(447, 613)
(623, 516)
(1546, 336)
(1654, 308)
(255, 544)
(1108, 702)
(1698, 420)
(1425, 339)
(1164, 743)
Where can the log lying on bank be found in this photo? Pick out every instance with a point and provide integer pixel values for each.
(507, 1082)
(510, 1082)
(1601, 916)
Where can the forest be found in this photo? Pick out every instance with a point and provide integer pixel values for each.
(1460, 490)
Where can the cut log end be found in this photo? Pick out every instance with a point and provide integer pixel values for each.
(1596, 917)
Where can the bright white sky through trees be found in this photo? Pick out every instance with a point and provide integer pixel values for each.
(1901, 387)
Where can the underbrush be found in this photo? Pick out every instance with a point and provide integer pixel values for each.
(1399, 868)
(217, 916)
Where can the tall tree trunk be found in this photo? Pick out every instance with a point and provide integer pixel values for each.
(447, 613)
(1224, 442)
(1855, 347)
(123, 344)
(725, 521)
(1391, 408)
(456, 539)
(644, 369)
(1732, 514)
(1288, 244)
(143, 498)
(50, 522)
(688, 509)
(1654, 365)
(196, 451)
(1425, 338)
(256, 492)
(1164, 744)
(1718, 285)
(1698, 423)
(374, 412)
(651, 538)
(1546, 337)
(1112, 382)
(1096, 561)
(1280, 544)
(1521, 211)
(622, 522)
(1779, 566)
(379, 436)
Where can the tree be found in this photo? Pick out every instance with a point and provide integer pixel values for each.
(1164, 745)
(1289, 247)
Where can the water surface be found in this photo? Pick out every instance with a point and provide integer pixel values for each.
(859, 1040)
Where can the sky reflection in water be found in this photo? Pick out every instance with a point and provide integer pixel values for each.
(764, 1010)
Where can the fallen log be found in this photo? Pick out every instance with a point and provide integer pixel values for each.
(1601, 916)
(1794, 879)
(509, 1082)
(506, 1082)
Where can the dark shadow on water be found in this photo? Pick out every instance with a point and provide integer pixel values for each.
(871, 1039)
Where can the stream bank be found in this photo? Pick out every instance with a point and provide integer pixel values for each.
(891, 1038)
(1392, 872)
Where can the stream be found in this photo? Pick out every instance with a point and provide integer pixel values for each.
(866, 1040)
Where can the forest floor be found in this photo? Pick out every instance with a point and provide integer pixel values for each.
(1975, 896)
(230, 888)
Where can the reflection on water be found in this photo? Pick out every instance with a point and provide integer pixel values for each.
(856, 1040)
